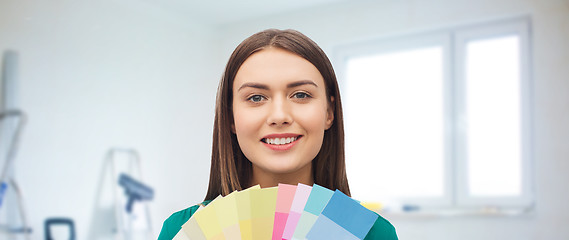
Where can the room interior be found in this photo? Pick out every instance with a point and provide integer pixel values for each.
(93, 76)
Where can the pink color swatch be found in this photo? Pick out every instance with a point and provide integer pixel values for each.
(285, 196)
(296, 209)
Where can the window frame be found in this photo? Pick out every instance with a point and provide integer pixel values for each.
(453, 41)
(521, 28)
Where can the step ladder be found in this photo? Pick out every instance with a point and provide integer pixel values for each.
(135, 223)
(13, 120)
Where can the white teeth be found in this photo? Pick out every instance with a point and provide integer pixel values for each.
(280, 141)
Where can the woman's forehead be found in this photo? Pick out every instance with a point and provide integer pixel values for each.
(276, 66)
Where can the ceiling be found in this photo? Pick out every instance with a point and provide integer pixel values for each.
(219, 12)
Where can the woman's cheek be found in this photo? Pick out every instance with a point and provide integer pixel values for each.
(247, 120)
(313, 117)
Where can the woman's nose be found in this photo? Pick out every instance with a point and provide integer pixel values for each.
(279, 114)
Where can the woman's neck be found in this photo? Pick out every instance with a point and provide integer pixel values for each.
(267, 179)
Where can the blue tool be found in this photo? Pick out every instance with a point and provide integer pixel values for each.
(135, 190)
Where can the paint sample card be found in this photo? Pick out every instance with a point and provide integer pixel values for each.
(192, 230)
(318, 199)
(226, 210)
(342, 218)
(243, 201)
(263, 205)
(283, 212)
(181, 235)
(208, 221)
(300, 197)
(285, 195)
(325, 229)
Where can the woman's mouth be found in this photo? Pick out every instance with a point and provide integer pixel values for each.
(281, 143)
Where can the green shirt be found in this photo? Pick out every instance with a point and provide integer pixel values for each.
(381, 230)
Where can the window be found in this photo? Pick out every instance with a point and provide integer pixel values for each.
(439, 119)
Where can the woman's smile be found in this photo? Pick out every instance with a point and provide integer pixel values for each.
(281, 142)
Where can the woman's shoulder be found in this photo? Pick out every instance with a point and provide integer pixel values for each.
(381, 229)
(174, 223)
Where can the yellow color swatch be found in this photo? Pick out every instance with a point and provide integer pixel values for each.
(226, 210)
(263, 213)
(208, 221)
(243, 201)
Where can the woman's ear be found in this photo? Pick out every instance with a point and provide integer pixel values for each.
(330, 113)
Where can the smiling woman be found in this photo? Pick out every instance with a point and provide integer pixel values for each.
(278, 120)
(266, 75)
(273, 104)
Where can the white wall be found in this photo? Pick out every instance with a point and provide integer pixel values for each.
(349, 22)
(100, 74)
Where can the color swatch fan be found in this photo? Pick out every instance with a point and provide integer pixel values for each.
(283, 212)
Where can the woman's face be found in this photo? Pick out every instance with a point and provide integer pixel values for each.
(280, 112)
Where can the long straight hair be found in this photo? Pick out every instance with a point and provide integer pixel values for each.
(230, 169)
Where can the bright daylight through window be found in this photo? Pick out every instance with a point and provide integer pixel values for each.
(405, 111)
(440, 119)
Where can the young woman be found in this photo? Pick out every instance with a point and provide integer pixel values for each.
(278, 119)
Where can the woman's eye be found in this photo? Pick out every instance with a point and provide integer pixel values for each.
(301, 95)
(255, 98)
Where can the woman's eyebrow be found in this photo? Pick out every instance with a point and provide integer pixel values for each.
(300, 83)
(266, 87)
(253, 85)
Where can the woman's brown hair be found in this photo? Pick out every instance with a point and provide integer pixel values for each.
(230, 169)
